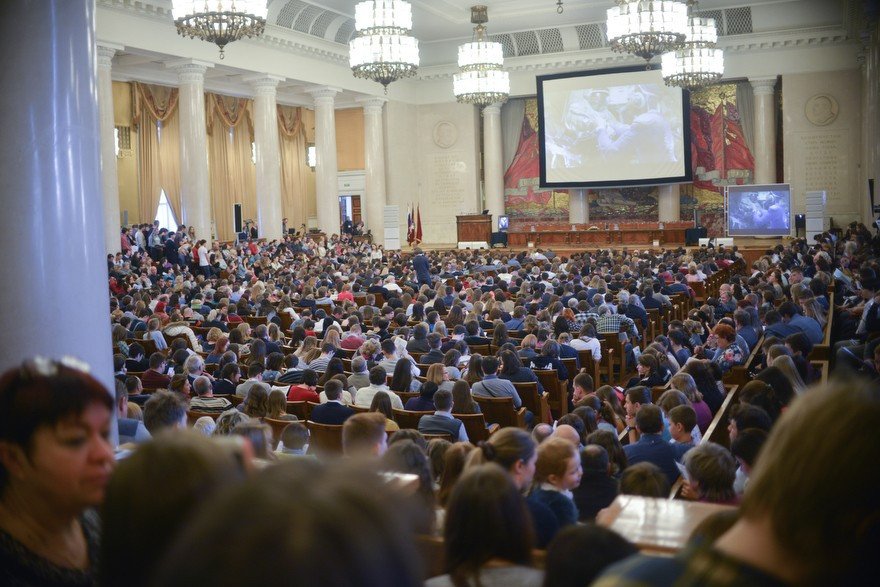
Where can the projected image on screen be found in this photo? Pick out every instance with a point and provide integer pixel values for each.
(623, 128)
(759, 211)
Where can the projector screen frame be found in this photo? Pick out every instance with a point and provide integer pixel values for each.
(763, 187)
(688, 175)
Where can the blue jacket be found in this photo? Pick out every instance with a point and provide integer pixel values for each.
(332, 413)
(652, 448)
(809, 327)
(423, 268)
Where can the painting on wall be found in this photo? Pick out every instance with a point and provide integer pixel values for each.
(720, 155)
(524, 200)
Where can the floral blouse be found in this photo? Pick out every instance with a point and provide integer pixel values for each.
(729, 357)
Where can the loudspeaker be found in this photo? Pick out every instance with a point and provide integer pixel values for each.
(236, 217)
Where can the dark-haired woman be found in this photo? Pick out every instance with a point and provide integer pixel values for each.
(55, 462)
(488, 533)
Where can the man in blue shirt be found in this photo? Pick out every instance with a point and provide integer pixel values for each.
(651, 447)
(805, 324)
(422, 267)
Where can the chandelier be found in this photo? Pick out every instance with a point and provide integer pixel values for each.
(219, 21)
(647, 28)
(699, 62)
(383, 50)
(481, 80)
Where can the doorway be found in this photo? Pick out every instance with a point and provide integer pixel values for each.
(349, 207)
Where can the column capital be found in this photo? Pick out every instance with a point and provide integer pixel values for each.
(763, 86)
(189, 70)
(106, 51)
(492, 109)
(372, 103)
(264, 84)
(324, 94)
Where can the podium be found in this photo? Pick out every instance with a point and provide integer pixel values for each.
(474, 227)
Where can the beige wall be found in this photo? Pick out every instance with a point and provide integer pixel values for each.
(350, 139)
(824, 157)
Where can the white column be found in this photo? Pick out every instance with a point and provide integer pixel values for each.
(578, 208)
(669, 203)
(326, 186)
(374, 166)
(52, 220)
(493, 162)
(109, 175)
(765, 130)
(195, 189)
(268, 155)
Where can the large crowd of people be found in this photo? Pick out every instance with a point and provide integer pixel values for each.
(217, 347)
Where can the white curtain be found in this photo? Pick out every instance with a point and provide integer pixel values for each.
(512, 114)
(745, 104)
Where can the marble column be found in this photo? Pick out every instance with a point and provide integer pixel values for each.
(52, 224)
(195, 187)
(493, 162)
(578, 208)
(268, 155)
(109, 175)
(765, 129)
(669, 203)
(374, 166)
(326, 182)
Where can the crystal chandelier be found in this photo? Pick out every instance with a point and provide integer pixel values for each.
(647, 28)
(699, 62)
(219, 21)
(383, 50)
(481, 80)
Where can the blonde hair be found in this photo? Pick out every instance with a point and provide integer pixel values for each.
(436, 373)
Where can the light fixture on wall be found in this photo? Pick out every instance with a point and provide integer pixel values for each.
(480, 80)
(311, 155)
(219, 21)
(647, 28)
(699, 63)
(383, 50)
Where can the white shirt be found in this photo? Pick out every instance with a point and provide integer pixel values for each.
(592, 344)
(203, 256)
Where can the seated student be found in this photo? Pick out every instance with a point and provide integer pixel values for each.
(424, 402)
(650, 446)
(644, 479)
(130, 429)
(205, 400)
(492, 386)
(156, 376)
(648, 372)
(597, 488)
(557, 472)
(165, 410)
(774, 542)
(255, 379)
(682, 420)
(293, 375)
(136, 360)
(473, 334)
(364, 395)
(442, 420)
(227, 382)
(334, 411)
(294, 440)
(487, 533)
(512, 370)
(792, 317)
(745, 450)
(307, 390)
(434, 355)
(364, 436)
(579, 554)
(582, 386)
(549, 359)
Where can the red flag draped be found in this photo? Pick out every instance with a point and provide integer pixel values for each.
(418, 224)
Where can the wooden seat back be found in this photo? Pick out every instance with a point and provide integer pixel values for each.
(325, 439)
(538, 404)
(409, 418)
(557, 391)
(476, 428)
(500, 410)
(277, 427)
(193, 415)
(301, 409)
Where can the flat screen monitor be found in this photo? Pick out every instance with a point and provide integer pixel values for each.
(503, 223)
(612, 128)
(759, 210)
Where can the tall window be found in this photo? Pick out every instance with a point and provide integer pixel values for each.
(164, 213)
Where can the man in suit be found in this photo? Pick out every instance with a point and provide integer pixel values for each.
(473, 334)
(651, 447)
(434, 355)
(422, 267)
(442, 421)
(334, 412)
